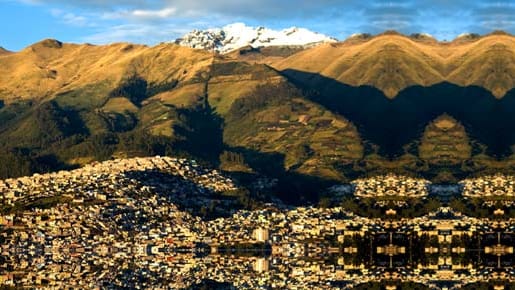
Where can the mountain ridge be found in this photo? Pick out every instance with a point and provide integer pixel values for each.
(238, 35)
(4, 51)
(392, 62)
(50, 67)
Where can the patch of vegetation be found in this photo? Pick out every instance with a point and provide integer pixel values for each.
(233, 161)
(12, 113)
(14, 163)
(276, 119)
(200, 133)
(367, 207)
(46, 124)
(88, 97)
(156, 88)
(117, 122)
(263, 96)
(133, 88)
(41, 203)
(477, 207)
(230, 68)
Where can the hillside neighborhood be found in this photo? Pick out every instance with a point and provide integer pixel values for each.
(123, 223)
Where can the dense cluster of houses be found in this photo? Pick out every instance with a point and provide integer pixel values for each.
(100, 216)
(491, 189)
(84, 182)
(126, 223)
(390, 188)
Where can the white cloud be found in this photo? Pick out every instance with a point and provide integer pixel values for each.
(163, 13)
(138, 33)
(71, 18)
(140, 14)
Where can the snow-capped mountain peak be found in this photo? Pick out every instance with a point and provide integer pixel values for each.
(237, 35)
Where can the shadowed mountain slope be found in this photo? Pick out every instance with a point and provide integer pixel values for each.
(392, 123)
(3, 51)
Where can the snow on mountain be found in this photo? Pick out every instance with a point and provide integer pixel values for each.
(239, 35)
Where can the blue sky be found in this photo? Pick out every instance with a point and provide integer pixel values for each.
(152, 21)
